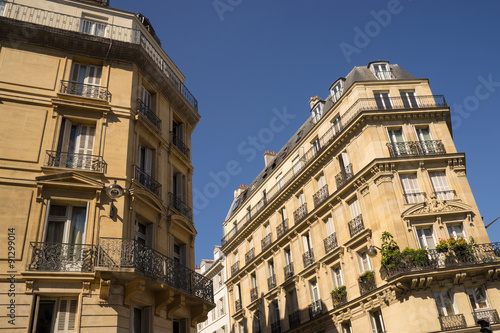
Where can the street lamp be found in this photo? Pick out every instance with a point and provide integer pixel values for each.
(372, 251)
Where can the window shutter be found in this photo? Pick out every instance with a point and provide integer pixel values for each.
(62, 315)
(345, 159)
(321, 181)
(329, 226)
(354, 207)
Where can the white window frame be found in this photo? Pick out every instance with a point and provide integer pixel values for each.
(3, 5)
(440, 185)
(336, 125)
(354, 208)
(314, 291)
(279, 181)
(337, 90)
(444, 310)
(382, 71)
(409, 97)
(374, 316)
(317, 112)
(297, 165)
(147, 98)
(337, 278)
(330, 227)
(76, 139)
(62, 321)
(316, 145)
(321, 181)
(346, 327)
(307, 243)
(283, 214)
(364, 262)
(93, 27)
(451, 226)
(475, 304)
(88, 75)
(287, 253)
(423, 240)
(385, 100)
(411, 189)
(67, 219)
(145, 160)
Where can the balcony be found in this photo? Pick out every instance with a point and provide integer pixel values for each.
(150, 115)
(320, 196)
(416, 148)
(308, 258)
(61, 257)
(300, 213)
(249, 256)
(489, 315)
(330, 242)
(356, 225)
(343, 176)
(315, 309)
(282, 228)
(365, 286)
(237, 305)
(266, 241)
(147, 181)
(467, 256)
(276, 326)
(177, 204)
(254, 294)
(235, 268)
(415, 197)
(179, 143)
(57, 159)
(117, 253)
(452, 322)
(85, 90)
(271, 282)
(68, 27)
(294, 319)
(289, 272)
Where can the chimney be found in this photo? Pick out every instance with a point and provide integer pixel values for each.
(268, 157)
(240, 190)
(313, 101)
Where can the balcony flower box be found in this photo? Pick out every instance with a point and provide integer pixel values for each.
(339, 295)
(366, 277)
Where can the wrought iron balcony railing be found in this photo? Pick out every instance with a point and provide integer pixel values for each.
(235, 268)
(330, 242)
(308, 257)
(276, 326)
(489, 315)
(433, 259)
(179, 143)
(249, 255)
(149, 114)
(343, 176)
(237, 305)
(452, 322)
(180, 206)
(320, 196)
(315, 309)
(147, 181)
(75, 24)
(117, 253)
(356, 225)
(57, 159)
(294, 319)
(61, 257)
(340, 301)
(416, 197)
(361, 105)
(85, 90)
(366, 286)
(300, 213)
(289, 272)
(416, 148)
(254, 294)
(266, 241)
(271, 282)
(282, 228)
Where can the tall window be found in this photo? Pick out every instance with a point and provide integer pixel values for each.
(66, 224)
(236, 257)
(145, 160)
(146, 98)
(249, 213)
(336, 91)
(55, 314)
(222, 309)
(279, 181)
(321, 181)
(330, 229)
(364, 262)
(275, 311)
(408, 98)
(141, 319)
(283, 214)
(354, 208)
(288, 256)
(253, 281)
(397, 141)
(144, 233)
(2, 7)
(382, 71)
(377, 322)
(256, 322)
(440, 185)
(455, 230)
(292, 303)
(76, 146)
(179, 253)
(306, 239)
(313, 288)
(344, 162)
(477, 298)
(425, 139)
(270, 267)
(337, 277)
(317, 112)
(346, 327)
(302, 199)
(86, 79)
(336, 125)
(316, 145)
(296, 165)
(444, 303)
(410, 187)
(425, 238)
(178, 185)
(383, 100)
(179, 326)
(95, 28)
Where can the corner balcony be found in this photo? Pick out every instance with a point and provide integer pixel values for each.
(57, 159)
(294, 319)
(266, 241)
(148, 114)
(61, 257)
(320, 196)
(315, 309)
(356, 225)
(85, 90)
(282, 228)
(179, 205)
(300, 213)
(330, 242)
(452, 322)
(179, 143)
(147, 181)
(249, 256)
(433, 260)
(416, 148)
(125, 254)
(343, 176)
(289, 271)
(308, 257)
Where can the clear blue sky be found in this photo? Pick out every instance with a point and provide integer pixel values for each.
(245, 58)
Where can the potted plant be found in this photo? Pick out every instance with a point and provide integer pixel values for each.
(366, 277)
(339, 295)
(442, 245)
(461, 248)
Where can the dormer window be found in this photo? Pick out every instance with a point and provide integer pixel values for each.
(317, 112)
(337, 88)
(381, 70)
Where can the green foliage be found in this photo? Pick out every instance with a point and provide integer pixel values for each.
(366, 277)
(338, 295)
(418, 257)
(390, 252)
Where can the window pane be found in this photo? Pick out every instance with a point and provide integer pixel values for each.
(77, 227)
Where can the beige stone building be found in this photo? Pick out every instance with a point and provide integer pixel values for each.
(303, 239)
(96, 224)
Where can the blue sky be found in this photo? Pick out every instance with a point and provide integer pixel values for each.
(246, 60)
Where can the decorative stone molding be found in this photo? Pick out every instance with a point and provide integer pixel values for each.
(86, 288)
(134, 288)
(459, 278)
(162, 299)
(105, 283)
(29, 286)
(384, 178)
